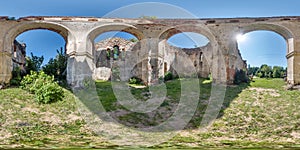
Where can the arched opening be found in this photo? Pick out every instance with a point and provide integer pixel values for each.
(188, 40)
(112, 48)
(39, 49)
(265, 53)
(195, 46)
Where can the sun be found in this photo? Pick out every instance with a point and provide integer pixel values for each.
(241, 38)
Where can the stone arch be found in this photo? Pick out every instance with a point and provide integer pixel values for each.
(98, 30)
(19, 29)
(93, 33)
(281, 30)
(218, 72)
(201, 29)
(286, 34)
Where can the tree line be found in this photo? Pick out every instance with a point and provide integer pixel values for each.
(265, 71)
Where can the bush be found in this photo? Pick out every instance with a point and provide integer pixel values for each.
(44, 87)
(240, 76)
(57, 66)
(16, 76)
(135, 80)
(168, 76)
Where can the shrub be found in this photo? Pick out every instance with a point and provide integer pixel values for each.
(57, 66)
(48, 93)
(168, 76)
(135, 80)
(16, 76)
(240, 76)
(28, 81)
(44, 87)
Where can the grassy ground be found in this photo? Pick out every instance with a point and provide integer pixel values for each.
(259, 114)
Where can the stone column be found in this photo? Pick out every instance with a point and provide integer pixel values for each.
(81, 61)
(293, 62)
(152, 63)
(5, 58)
(5, 67)
(143, 58)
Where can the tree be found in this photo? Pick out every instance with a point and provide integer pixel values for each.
(277, 72)
(266, 71)
(240, 76)
(33, 63)
(252, 70)
(57, 66)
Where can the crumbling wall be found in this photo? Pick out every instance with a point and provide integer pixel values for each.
(19, 55)
(126, 63)
(174, 60)
(175, 57)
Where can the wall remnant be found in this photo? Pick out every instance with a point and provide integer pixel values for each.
(152, 52)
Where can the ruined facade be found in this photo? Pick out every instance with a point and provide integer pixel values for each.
(113, 51)
(19, 55)
(80, 32)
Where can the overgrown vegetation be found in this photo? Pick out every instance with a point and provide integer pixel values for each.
(136, 81)
(240, 76)
(57, 67)
(43, 86)
(33, 63)
(168, 76)
(17, 75)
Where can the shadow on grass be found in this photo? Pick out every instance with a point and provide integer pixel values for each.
(167, 108)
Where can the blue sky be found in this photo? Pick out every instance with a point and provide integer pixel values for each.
(269, 50)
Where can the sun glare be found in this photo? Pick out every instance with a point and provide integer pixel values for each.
(240, 38)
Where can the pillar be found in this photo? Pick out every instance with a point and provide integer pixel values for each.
(152, 63)
(5, 67)
(81, 63)
(293, 62)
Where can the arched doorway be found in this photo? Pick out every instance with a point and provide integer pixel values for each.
(275, 41)
(36, 42)
(116, 52)
(202, 42)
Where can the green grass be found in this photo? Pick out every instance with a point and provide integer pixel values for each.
(260, 114)
(276, 83)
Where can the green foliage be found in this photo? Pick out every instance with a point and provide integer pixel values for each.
(278, 72)
(16, 76)
(240, 77)
(135, 80)
(12, 18)
(28, 81)
(57, 67)
(49, 92)
(33, 63)
(252, 70)
(266, 71)
(134, 40)
(44, 87)
(168, 76)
